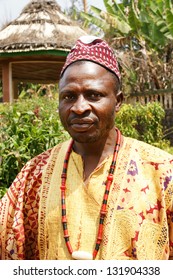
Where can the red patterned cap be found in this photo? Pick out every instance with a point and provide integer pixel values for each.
(94, 49)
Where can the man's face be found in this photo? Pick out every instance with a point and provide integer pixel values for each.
(87, 101)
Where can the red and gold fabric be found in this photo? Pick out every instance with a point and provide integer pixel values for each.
(139, 221)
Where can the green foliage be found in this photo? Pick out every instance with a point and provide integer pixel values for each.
(143, 123)
(143, 20)
(28, 127)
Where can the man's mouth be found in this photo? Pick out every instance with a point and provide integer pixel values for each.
(81, 125)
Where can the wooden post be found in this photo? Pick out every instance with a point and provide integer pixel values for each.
(15, 88)
(7, 82)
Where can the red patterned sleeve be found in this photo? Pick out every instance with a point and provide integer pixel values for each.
(19, 212)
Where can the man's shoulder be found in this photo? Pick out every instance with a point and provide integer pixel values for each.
(44, 156)
(148, 151)
(37, 164)
(32, 171)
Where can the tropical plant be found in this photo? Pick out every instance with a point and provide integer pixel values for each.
(141, 31)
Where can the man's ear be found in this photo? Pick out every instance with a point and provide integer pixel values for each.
(120, 98)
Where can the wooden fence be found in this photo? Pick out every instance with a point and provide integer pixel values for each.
(165, 97)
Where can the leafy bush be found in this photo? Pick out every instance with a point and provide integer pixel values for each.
(28, 127)
(143, 123)
(31, 126)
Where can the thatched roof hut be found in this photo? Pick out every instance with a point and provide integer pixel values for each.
(33, 47)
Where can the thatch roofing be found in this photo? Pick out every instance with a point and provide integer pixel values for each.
(34, 46)
(40, 26)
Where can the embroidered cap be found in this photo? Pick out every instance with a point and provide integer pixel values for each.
(94, 49)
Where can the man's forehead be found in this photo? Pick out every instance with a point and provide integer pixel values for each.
(86, 70)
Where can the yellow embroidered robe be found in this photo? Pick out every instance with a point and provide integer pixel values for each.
(139, 221)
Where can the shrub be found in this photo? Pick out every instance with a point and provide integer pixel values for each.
(28, 127)
(143, 123)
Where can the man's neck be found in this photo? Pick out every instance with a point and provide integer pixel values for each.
(105, 146)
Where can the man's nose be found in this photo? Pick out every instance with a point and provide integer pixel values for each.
(81, 105)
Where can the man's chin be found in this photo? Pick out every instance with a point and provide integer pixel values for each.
(85, 138)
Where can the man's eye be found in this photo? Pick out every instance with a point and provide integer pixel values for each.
(95, 95)
(69, 97)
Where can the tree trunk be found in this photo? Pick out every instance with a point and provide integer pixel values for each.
(85, 5)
